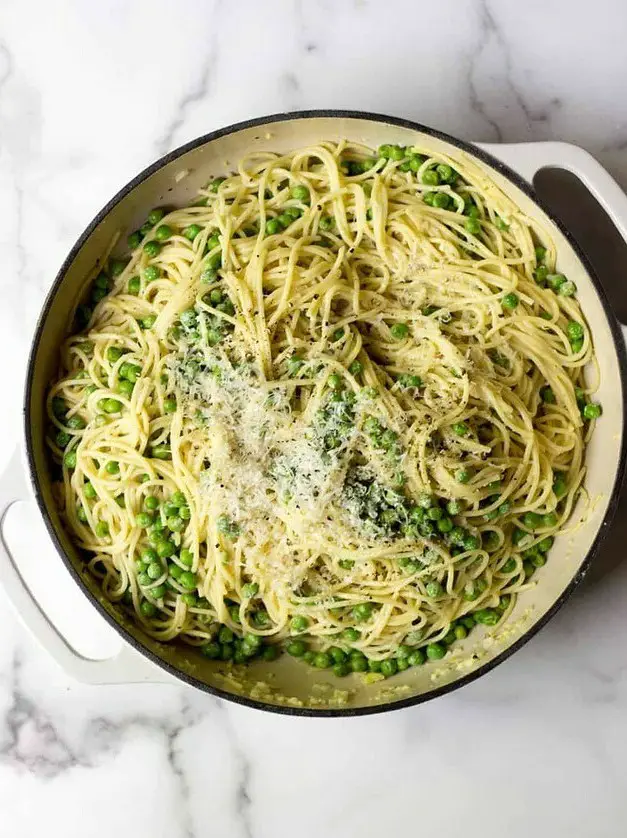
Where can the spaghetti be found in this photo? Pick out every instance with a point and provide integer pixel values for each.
(336, 405)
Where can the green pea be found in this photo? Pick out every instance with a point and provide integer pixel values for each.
(442, 200)
(429, 198)
(389, 667)
(155, 215)
(351, 635)
(143, 519)
(89, 491)
(62, 438)
(148, 556)
(462, 475)
(341, 669)
(102, 529)
(509, 566)
(151, 273)
(284, 220)
(163, 233)
(309, 656)
(148, 322)
(300, 193)
(358, 662)
(161, 452)
(188, 579)
(322, 660)
(540, 253)
(433, 589)
(76, 423)
(363, 611)
(327, 223)
(134, 285)
(110, 405)
(540, 274)
(538, 560)
(112, 467)
(471, 542)
(169, 405)
(151, 503)
(592, 411)
(567, 289)
(399, 331)
(574, 330)
(175, 571)
(69, 459)
(460, 631)
(335, 381)
(225, 635)
(299, 623)
(165, 549)
(397, 152)
(374, 665)
(125, 388)
(454, 507)
(435, 651)
(147, 608)
(417, 657)
(250, 590)
(134, 239)
(186, 557)
(430, 177)
(457, 535)
(158, 592)
(296, 648)
(447, 173)
(549, 520)
(185, 512)
(192, 231)
(531, 520)
(273, 227)
(434, 513)
(155, 570)
(176, 524)
(473, 226)
(338, 655)
(547, 395)
(487, 616)
(444, 525)
(152, 248)
(510, 301)
(178, 498)
(209, 275)
(460, 429)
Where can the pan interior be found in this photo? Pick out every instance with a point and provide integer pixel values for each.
(287, 683)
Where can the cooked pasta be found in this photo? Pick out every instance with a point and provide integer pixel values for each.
(336, 406)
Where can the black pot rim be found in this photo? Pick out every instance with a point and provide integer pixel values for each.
(619, 347)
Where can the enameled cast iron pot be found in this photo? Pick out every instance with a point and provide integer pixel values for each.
(286, 685)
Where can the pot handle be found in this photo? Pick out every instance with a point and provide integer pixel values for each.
(528, 158)
(127, 667)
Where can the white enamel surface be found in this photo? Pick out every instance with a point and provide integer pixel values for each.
(90, 93)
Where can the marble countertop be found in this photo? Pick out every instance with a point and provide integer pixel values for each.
(89, 94)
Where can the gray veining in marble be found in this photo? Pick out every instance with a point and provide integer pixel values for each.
(89, 94)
